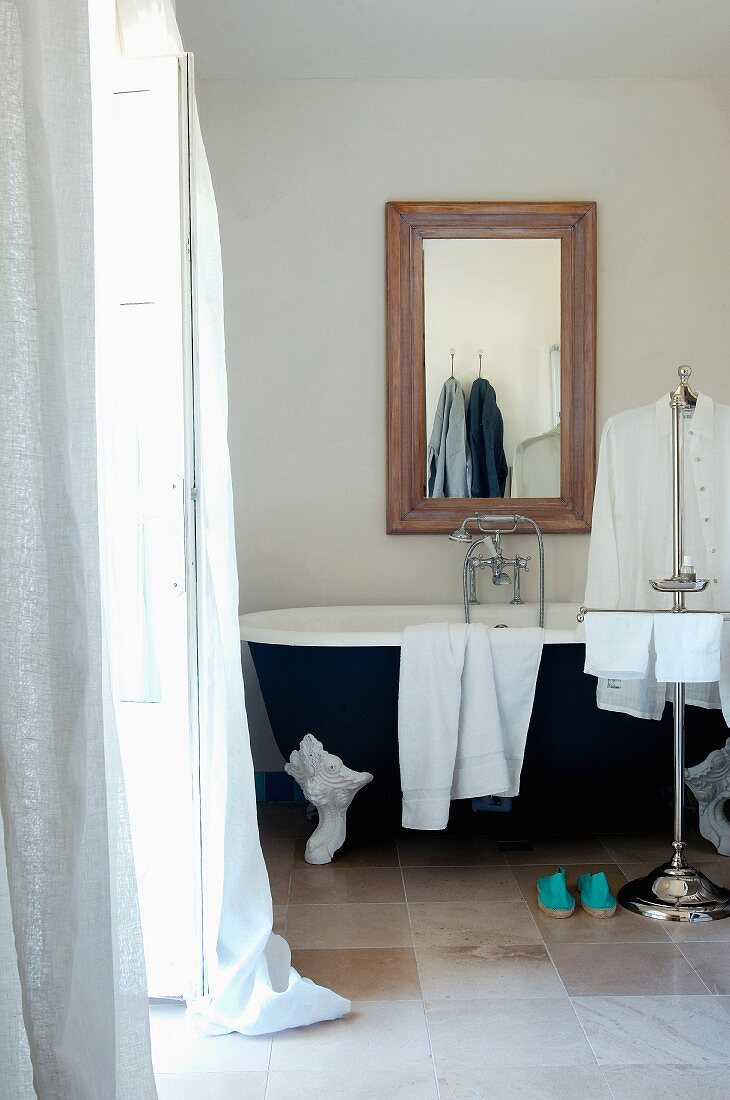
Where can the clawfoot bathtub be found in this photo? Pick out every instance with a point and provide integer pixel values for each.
(333, 672)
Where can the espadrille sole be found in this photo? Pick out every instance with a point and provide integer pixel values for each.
(559, 914)
(600, 914)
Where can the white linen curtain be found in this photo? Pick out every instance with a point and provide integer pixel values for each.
(73, 1009)
(253, 988)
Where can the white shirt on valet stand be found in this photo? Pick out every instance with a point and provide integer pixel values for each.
(631, 539)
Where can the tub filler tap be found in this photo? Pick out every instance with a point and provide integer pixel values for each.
(498, 565)
(496, 562)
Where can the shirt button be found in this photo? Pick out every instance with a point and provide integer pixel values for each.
(712, 549)
(702, 488)
(707, 519)
(691, 432)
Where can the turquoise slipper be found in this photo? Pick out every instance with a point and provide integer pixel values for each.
(553, 895)
(595, 896)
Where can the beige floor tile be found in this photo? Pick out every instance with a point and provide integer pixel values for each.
(655, 1030)
(712, 963)
(363, 974)
(635, 869)
(278, 849)
(179, 1047)
(717, 869)
(418, 1084)
(211, 1086)
(358, 853)
(652, 849)
(281, 818)
(279, 879)
(335, 883)
(528, 1083)
(710, 931)
(472, 924)
(280, 920)
(436, 884)
(473, 973)
(623, 927)
(561, 850)
(336, 925)
(434, 850)
(505, 1032)
(661, 1082)
(389, 1034)
(625, 969)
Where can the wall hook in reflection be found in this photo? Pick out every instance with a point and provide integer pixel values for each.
(480, 353)
(452, 353)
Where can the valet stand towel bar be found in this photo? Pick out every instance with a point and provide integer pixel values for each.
(675, 890)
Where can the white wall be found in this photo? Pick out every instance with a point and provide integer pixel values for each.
(302, 170)
(502, 297)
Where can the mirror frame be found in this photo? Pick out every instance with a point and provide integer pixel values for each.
(409, 511)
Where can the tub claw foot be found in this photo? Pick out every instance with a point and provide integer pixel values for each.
(330, 786)
(710, 783)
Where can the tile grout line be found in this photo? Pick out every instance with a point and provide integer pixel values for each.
(689, 962)
(418, 972)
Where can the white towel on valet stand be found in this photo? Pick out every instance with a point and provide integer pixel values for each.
(618, 645)
(688, 648)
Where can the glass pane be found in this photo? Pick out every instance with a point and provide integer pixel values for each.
(496, 434)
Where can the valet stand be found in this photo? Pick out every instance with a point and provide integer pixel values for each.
(675, 890)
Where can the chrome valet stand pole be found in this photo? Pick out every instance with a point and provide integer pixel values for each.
(676, 890)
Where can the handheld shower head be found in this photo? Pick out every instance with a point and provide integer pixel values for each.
(461, 534)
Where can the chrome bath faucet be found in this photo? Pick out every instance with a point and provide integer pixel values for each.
(497, 563)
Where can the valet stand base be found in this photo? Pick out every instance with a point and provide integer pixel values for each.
(676, 891)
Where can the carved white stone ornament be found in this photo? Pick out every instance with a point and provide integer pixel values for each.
(330, 786)
(710, 783)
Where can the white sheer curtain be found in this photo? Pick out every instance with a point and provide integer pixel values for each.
(73, 1011)
(253, 987)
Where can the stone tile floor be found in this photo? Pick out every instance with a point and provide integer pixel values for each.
(462, 989)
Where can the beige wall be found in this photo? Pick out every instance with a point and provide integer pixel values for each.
(302, 170)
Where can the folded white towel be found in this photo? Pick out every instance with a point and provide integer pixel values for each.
(617, 645)
(480, 767)
(688, 648)
(516, 661)
(429, 697)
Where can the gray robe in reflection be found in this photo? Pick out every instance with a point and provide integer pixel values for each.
(448, 470)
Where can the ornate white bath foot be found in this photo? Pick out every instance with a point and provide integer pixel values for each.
(330, 786)
(710, 782)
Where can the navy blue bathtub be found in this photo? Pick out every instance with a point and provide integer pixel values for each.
(333, 672)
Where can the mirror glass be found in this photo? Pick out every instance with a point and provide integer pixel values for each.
(497, 435)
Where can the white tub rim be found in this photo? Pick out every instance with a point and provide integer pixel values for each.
(289, 626)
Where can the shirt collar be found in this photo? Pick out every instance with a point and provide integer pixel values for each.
(703, 418)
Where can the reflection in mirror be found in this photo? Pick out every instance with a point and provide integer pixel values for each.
(492, 367)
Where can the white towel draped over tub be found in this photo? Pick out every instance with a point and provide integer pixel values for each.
(464, 706)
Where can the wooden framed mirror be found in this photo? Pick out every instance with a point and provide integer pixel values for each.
(505, 292)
